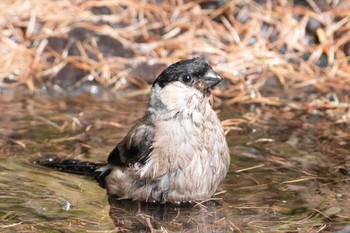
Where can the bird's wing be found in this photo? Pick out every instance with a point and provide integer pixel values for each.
(136, 146)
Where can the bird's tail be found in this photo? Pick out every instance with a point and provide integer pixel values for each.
(98, 171)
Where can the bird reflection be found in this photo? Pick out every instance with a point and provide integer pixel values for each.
(136, 216)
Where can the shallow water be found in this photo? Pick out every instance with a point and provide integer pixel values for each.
(284, 175)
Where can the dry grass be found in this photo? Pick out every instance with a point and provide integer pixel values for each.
(302, 45)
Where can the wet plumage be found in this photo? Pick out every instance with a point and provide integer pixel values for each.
(177, 152)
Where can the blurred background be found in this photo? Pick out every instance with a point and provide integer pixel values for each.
(58, 46)
(75, 74)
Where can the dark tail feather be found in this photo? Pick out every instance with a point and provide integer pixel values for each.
(70, 165)
(78, 167)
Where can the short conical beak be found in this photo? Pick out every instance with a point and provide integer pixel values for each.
(211, 79)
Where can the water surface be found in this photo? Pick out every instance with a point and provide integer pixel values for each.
(284, 176)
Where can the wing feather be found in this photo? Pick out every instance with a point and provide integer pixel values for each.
(136, 146)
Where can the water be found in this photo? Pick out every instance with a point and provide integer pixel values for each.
(38, 200)
(284, 175)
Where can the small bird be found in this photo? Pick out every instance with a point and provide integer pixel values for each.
(177, 152)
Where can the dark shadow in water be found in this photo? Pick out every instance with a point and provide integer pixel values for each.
(137, 216)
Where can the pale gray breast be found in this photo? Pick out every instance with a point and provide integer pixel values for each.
(192, 152)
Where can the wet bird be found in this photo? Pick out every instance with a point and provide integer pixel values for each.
(178, 151)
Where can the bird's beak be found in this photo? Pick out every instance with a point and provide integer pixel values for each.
(211, 79)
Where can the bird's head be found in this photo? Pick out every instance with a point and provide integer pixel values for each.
(182, 84)
(193, 73)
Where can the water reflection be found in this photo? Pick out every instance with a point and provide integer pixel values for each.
(286, 175)
(134, 216)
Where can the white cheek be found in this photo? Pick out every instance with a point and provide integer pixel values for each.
(176, 95)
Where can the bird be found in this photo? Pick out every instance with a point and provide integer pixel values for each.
(177, 152)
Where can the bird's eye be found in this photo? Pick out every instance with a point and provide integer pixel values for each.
(186, 78)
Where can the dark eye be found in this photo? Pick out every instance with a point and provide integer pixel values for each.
(186, 78)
